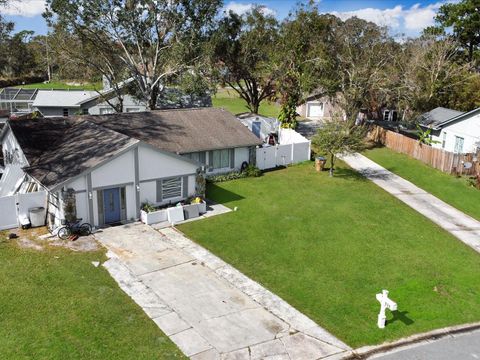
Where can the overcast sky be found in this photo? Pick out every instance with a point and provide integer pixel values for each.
(407, 17)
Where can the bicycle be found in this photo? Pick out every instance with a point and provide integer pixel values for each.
(74, 228)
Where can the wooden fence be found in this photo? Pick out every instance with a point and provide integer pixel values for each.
(439, 159)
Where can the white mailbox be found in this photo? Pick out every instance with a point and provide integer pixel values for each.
(385, 303)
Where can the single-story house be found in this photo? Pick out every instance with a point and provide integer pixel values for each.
(53, 102)
(260, 126)
(104, 167)
(318, 107)
(453, 130)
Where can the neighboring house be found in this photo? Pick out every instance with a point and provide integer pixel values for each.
(318, 108)
(54, 102)
(105, 166)
(452, 130)
(261, 126)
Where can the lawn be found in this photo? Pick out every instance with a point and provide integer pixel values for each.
(229, 99)
(58, 85)
(328, 245)
(451, 189)
(55, 304)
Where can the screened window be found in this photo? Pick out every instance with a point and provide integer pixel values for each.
(85, 111)
(104, 111)
(197, 156)
(172, 188)
(221, 159)
(65, 112)
(458, 144)
(133, 110)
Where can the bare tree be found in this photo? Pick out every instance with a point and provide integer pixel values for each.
(154, 39)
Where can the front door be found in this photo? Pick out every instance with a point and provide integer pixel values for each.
(111, 205)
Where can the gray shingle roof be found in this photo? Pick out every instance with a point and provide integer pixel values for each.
(437, 116)
(183, 130)
(59, 149)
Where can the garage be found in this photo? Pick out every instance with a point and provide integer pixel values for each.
(314, 110)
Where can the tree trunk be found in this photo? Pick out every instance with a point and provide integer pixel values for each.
(254, 107)
(332, 163)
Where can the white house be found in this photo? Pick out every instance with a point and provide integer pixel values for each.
(317, 107)
(453, 130)
(103, 167)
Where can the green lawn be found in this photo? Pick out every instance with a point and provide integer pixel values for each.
(58, 85)
(328, 245)
(451, 189)
(229, 99)
(54, 304)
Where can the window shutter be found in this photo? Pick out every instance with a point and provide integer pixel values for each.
(185, 187)
(232, 158)
(159, 191)
(202, 157)
(210, 160)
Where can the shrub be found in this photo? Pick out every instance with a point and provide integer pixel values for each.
(252, 171)
(148, 208)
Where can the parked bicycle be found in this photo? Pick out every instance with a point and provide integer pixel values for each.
(74, 228)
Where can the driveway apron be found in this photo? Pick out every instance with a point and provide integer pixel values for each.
(208, 308)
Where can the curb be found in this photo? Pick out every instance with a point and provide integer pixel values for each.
(368, 351)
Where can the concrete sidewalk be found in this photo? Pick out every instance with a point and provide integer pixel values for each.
(449, 218)
(208, 308)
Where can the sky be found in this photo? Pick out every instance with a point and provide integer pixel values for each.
(408, 17)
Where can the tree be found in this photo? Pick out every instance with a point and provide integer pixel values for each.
(464, 20)
(154, 39)
(241, 52)
(363, 54)
(303, 54)
(6, 28)
(337, 137)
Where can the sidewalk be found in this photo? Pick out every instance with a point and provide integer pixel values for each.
(208, 308)
(449, 218)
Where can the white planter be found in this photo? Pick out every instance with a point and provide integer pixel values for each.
(153, 217)
(175, 214)
(202, 207)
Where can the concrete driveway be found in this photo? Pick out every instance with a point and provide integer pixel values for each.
(209, 309)
(460, 225)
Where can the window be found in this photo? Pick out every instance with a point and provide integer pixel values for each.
(85, 111)
(65, 112)
(458, 145)
(221, 159)
(197, 156)
(171, 188)
(444, 140)
(104, 111)
(133, 110)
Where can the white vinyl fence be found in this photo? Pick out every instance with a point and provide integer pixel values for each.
(293, 148)
(12, 206)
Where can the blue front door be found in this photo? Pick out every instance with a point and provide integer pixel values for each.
(111, 205)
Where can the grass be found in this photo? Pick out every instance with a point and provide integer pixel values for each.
(451, 189)
(328, 245)
(58, 85)
(229, 100)
(55, 304)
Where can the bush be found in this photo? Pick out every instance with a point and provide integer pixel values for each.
(21, 80)
(252, 171)
(148, 208)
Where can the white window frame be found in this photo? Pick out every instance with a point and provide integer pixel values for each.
(458, 140)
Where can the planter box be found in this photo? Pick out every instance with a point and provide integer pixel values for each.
(191, 211)
(175, 214)
(153, 217)
(202, 207)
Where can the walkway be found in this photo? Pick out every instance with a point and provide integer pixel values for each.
(449, 218)
(208, 308)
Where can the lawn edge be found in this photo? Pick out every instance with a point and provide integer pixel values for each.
(367, 351)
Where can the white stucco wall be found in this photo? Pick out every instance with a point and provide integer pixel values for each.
(115, 172)
(241, 155)
(468, 129)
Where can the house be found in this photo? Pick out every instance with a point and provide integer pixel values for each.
(260, 126)
(102, 168)
(453, 130)
(52, 102)
(318, 108)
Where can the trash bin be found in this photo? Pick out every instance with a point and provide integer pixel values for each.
(37, 216)
(320, 163)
